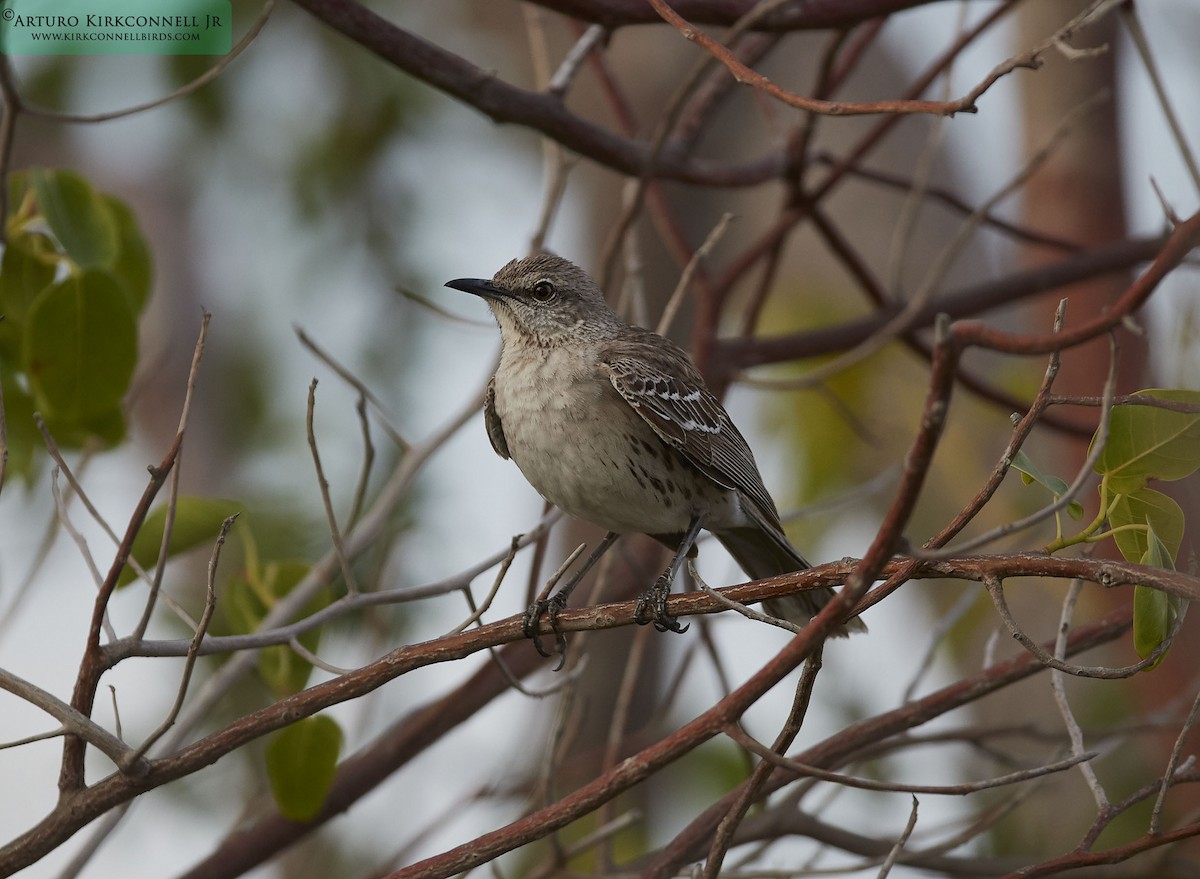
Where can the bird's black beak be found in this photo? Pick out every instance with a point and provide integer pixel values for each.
(479, 286)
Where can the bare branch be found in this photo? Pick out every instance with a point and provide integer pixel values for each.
(76, 724)
(335, 532)
(182, 92)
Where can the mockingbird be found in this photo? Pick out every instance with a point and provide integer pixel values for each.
(613, 424)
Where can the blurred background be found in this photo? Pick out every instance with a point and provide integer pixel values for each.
(314, 187)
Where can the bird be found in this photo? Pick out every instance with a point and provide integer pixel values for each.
(613, 424)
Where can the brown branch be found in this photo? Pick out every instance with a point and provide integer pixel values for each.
(747, 76)
(630, 771)
(1077, 859)
(792, 16)
(758, 777)
(543, 112)
(1125, 400)
(257, 841)
(875, 137)
(738, 354)
(873, 288)
(692, 842)
(1023, 427)
(950, 790)
(84, 805)
(953, 203)
(1178, 245)
(93, 664)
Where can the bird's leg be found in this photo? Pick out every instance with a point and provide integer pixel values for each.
(553, 605)
(652, 604)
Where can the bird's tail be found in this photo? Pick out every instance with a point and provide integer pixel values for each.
(761, 553)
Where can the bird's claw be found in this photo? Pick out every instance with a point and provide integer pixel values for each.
(652, 608)
(551, 607)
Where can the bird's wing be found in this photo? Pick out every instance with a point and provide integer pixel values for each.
(657, 379)
(491, 419)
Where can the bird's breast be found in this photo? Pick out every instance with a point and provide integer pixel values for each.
(584, 449)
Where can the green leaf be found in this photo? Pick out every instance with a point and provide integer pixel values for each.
(1154, 612)
(1150, 508)
(1030, 472)
(22, 433)
(301, 764)
(285, 670)
(133, 265)
(80, 349)
(18, 188)
(1146, 442)
(26, 269)
(78, 216)
(197, 523)
(250, 599)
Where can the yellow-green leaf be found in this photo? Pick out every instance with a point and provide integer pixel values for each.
(1030, 472)
(1154, 612)
(26, 269)
(132, 265)
(1150, 508)
(1147, 442)
(80, 348)
(250, 599)
(197, 523)
(22, 433)
(18, 189)
(301, 765)
(78, 216)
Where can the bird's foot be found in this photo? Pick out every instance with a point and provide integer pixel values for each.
(652, 608)
(551, 607)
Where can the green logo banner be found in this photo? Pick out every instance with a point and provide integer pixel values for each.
(116, 27)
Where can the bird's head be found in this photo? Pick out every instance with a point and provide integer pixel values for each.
(544, 300)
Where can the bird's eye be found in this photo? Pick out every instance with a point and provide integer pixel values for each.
(543, 291)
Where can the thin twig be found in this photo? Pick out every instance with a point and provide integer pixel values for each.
(915, 305)
(364, 473)
(335, 532)
(173, 494)
(940, 630)
(1173, 766)
(748, 612)
(502, 571)
(1074, 731)
(355, 382)
(1085, 473)
(591, 38)
(906, 223)
(553, 159)
(890, 860)
(950, 790)
(317, 662)
(182, 92)
(744, 74)
(685, 279)
(752, 788)
(73, 479)
(1134, 25)
(614, 741)
(73, 723)
(210, 605)
(996, 590)
(270, 636)
(79, 540)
